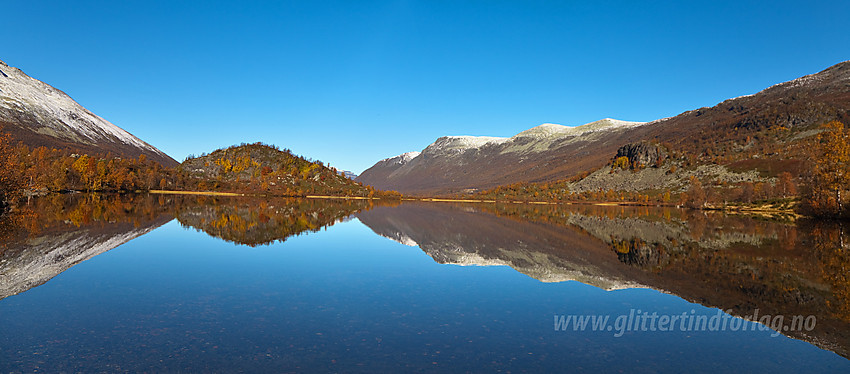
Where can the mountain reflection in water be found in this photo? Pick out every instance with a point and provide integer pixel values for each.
(733, 263)
(729, 262)
(53, 233)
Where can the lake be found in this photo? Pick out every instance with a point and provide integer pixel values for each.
(159, 283)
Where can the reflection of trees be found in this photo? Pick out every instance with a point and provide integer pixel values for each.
(259, 222)
(637, 252)
(8, 226)
(832, 247)
(46, 214)
(249, 221)
(50, 234)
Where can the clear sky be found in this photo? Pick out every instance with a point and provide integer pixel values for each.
(352, 82)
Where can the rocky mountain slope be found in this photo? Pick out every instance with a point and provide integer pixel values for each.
(38, 114)
(753, 126)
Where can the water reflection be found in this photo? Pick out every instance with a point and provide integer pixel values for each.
(728, 262)
(51, 234)
(256, 222)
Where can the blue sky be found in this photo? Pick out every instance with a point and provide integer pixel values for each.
(352, 82)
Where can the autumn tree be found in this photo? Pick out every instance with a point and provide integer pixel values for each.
(10, 173)
(831, 174)
(696, 197)
(621, 162)
(786, 185)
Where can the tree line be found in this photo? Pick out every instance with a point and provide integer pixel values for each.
(41, 170)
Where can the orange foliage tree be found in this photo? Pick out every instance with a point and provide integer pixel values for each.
(10, 175)
(831, 175)
(695, 197)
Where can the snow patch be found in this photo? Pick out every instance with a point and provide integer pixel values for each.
(459, 144)
(474, 259)
(739, 97)
(401, 159)
(554, 131)
(401, 238)
(543, 137)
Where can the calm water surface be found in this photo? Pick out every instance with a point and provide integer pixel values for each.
(168, 284)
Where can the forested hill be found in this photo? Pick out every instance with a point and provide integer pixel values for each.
(262, 168)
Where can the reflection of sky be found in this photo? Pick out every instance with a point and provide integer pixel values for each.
(344, 298)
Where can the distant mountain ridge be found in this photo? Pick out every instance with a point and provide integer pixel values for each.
(552, 152)
(38, 114)
(453, 163)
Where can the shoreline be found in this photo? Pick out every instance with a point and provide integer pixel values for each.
(757, 210)
(201, 193)
(234, 194)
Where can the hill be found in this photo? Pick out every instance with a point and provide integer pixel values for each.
(263, 168)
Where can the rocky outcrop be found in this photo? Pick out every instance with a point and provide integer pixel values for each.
(642, 154)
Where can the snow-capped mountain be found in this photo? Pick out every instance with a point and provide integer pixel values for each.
(452, 145)
(456, 162)
(552, 152)
(40, 115)
(400, 159)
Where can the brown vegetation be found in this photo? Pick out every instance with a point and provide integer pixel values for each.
(251, 169)
(10, 178)
(830, 179)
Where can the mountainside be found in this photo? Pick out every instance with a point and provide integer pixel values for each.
(765, 125)
(455, 163)
(38, 114)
